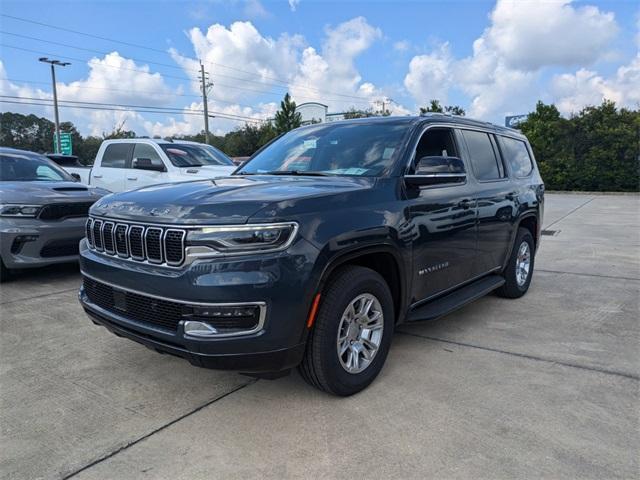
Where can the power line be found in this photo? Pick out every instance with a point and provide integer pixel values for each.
(284, 81)
(123, 107)
(16, 102)
(42, 24)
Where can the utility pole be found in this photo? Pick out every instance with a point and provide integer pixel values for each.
(53, 63)
(205, 85)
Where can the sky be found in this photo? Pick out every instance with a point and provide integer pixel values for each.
(493, 58)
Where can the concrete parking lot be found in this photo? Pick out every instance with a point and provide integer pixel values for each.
(545, 386)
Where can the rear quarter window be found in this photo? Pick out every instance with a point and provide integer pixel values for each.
(116, 155)
(517, 155)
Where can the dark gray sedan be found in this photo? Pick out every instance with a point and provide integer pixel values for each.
(43, 211)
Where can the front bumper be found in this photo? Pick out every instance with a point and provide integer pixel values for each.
(50, 242)
(284, 282)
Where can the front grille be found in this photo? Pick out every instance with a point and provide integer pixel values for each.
(168, 314)
(152, 244)
(58, 211)
(161, 313)
(60, 248)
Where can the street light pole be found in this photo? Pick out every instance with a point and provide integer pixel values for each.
(53, 63)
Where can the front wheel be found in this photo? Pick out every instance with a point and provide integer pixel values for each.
(352, 333)
(519, 270)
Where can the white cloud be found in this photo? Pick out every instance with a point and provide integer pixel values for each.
(255, 9)
(574, 91)
(502, 74)
(401, 45)
(293, 4)
(240, 52)
(529, 35)
(429, 76)
(330, 74)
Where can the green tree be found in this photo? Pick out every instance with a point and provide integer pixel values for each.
(287, 118)
(434, 106)
(358, 113)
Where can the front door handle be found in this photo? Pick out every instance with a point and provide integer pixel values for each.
(97, 176)
(132, 178)
(465, 204)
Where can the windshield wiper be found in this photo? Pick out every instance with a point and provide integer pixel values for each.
(301, 173)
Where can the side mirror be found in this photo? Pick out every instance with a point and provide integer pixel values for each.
(436, 170)
(147, 164)
(76, 177)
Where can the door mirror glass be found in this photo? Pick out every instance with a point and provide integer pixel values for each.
(436, 170)
(147, 164)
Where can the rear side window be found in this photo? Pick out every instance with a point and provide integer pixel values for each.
(517, 155)
(116, 155)
(485, 161)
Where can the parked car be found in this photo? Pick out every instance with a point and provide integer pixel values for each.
(316, 249)
(43, 211)
(79, 172)
(131, 163)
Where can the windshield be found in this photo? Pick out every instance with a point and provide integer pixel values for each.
(30, 167)
(192, 155)
(361, 149)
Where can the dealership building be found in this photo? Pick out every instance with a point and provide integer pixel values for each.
(314, 112)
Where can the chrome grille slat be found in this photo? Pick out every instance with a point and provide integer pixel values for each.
(107, 238)
(141, 243)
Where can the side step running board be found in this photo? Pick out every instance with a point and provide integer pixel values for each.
(456, 299)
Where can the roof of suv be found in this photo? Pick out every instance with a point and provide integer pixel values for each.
(431, 118)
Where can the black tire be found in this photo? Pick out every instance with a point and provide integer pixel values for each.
(511, 287)
(5, 274)
(321, 366)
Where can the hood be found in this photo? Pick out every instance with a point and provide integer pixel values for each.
(207, 171)
(229, 200)
(44, 193)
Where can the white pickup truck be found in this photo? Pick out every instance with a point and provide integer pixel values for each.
(126, 164)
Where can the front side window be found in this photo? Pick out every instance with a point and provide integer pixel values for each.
(116, 155)
(517, 155)
(144, 150)
(353, 149)
(194, 155)
(485, 162)
(30, 167)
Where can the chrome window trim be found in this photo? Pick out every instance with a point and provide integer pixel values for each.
(260, 304)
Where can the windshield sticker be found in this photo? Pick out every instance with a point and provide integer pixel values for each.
(349, 171)
(310, 143)
(388, 152)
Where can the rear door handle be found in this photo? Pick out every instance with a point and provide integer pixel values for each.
(465, 204)
(97, 176)
(132, 178)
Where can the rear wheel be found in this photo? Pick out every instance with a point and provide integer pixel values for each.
(519, 270)
(352, 333)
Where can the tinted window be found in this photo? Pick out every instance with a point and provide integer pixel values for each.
(364, 149)
(483, 156)
(116, 155)
(517, 155)
(194, 155)
(29, 167)
(144, 150)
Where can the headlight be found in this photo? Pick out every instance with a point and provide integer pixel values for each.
(245, 238)
(15, 210)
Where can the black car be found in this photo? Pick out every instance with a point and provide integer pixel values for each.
(312, 252)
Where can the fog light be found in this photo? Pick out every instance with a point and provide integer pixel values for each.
(199, 329)
(19, 242)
